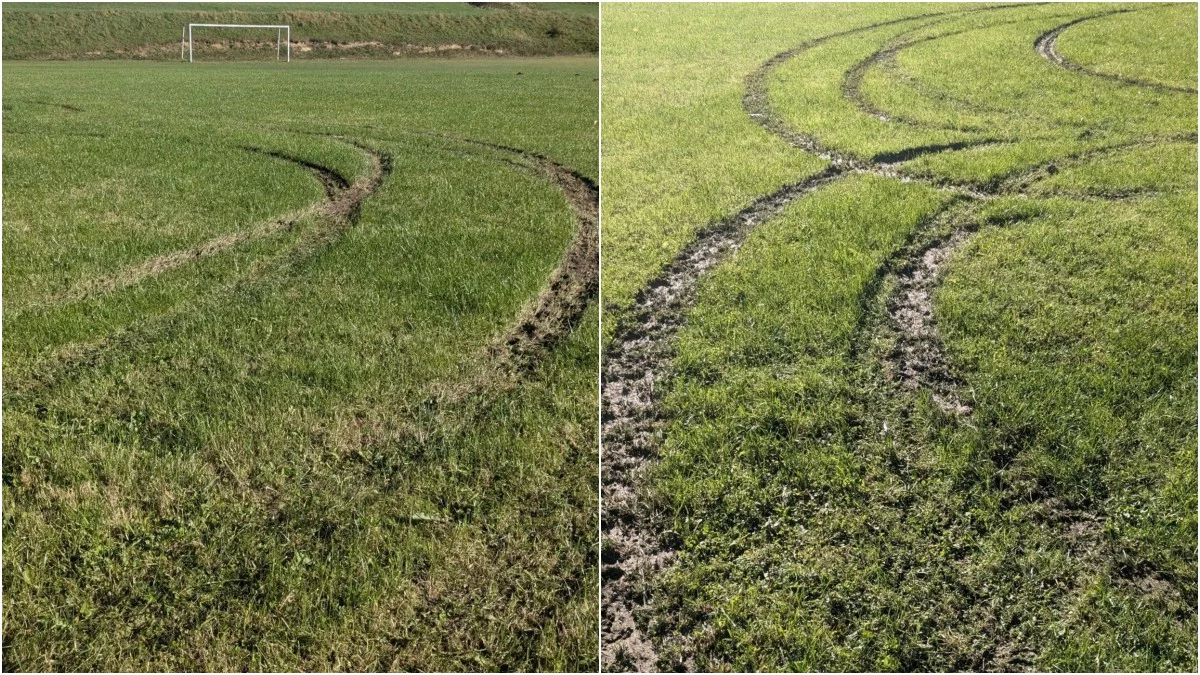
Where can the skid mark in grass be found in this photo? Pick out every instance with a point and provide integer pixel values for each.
(560, 305)
(852, 86)
(756, 99)
(906, 154)
(333, 217)
(638, 361)
(636, 364)
(853, 78)
(573, 283)
(1021, 181)
(331, 181)
(918, 359)
(51, 104)
(1045, 45)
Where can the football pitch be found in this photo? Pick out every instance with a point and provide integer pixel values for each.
(299, 365)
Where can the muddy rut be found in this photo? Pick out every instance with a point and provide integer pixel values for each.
(573, 284)
(638, 361)
(635, 364)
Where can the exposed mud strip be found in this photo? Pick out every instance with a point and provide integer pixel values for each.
(224, 49)
(572, 285)
(340, 199)
(919, 359)
(1046, 47)
(638, 362)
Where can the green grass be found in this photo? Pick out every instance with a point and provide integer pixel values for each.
(824, 516)
(319, 30)
(288, 456)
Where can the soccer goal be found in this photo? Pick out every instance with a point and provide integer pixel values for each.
(283, 37)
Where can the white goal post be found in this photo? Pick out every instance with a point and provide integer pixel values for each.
(281, 37)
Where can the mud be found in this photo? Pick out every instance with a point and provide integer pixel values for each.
(1045, 45)
(638, 361)
(919, 359)
(571, 286)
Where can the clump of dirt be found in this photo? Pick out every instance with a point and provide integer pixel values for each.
(345, 205)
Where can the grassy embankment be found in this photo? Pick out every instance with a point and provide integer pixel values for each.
(319, 30)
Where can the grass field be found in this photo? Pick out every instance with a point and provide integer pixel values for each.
(900, 366)
(286, 384)
(153, 30)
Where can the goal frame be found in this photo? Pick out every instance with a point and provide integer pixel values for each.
(280, 40)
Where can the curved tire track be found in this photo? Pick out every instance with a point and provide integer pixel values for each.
(573, 284)
(544, 322)
(338, 215)
(1045, 45)
(852, 78)
(637, 361)
(340, 198)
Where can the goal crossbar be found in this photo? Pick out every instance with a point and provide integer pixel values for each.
(281, 38)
